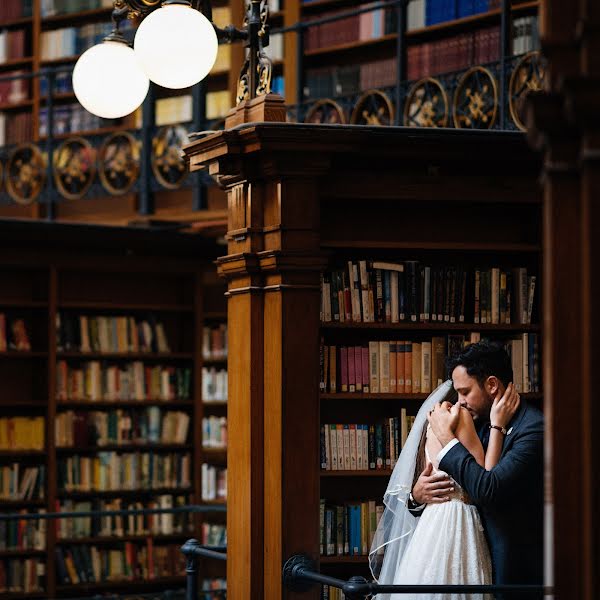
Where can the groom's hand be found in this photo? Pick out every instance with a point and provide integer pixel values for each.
(444, 421)
(430, 489)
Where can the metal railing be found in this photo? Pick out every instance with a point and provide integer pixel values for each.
(300, 575)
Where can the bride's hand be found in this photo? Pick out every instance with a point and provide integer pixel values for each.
(504, 408)
(443, 419)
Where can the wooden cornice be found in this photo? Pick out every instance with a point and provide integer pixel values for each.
(296, 149)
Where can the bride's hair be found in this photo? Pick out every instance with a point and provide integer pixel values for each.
(451, 397)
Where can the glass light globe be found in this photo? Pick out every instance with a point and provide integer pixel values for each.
(176, 46)
(108, 80)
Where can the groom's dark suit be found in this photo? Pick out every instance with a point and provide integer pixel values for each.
(509, 497)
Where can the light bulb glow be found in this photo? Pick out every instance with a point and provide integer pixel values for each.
(108, 80)
(176, 46)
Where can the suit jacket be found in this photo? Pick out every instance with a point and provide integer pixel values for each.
(510, 497)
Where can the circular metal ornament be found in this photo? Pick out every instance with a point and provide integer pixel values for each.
(325, 111)
(25, 173)
(373, 108)
(119, 163)
(167, 156)
(74, 167)
(475, 103)
(426, 105)
(527, 77)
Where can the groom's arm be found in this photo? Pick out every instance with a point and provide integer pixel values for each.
(512, 471)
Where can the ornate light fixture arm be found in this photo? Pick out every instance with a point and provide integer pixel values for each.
(255, 75)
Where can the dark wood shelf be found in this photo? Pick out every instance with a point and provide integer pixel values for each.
(23, 354)
(59, 97)
(124, 307)
(437, 246)
(86, 132)
(214, 451)
(77, 17)
(214, 502)
(63, 60)
(344, 560)
(116, 539)
(207, 362)
(214, 316)
(16, 105)
(23, 304)
(326, 5)
(13, 63)
(150, 447)
(93, 405)
(93, 588)
(356, 45)
(22, 453)
(170, 356)
(433, 326)
(23, 595)
(370, 473)
(19, 504)
(219, 404)
(138, 492)
(21, 21)
(21, 553)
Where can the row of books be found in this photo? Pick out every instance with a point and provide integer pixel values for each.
(366, 26)
(95, 380)
(78, 429)
(22, 575)
(18, 483)
(69, 118)
(15, 128)
(214, 482)
(364, 447)
(23, 534)
(214, 385)
(379, 291)
(415, 367)
(332, 593)
(71, 41)
(123, 525)
(86, 333)
(13, 335)
(455, 53)
(214, 432)
(214, 342)
(348, 529)
(81, 563)
(115, 471)
(213, 589)
(63, 83)
(14, 90)
(22, 433)
(441, 11)
(14, 9)
(526, 35)
(213, 534)
(12, 44)
(50, 8)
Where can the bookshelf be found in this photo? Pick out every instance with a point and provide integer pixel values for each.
(116, 436)
(370, 193)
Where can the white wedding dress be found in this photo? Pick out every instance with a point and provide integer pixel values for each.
(448, 547)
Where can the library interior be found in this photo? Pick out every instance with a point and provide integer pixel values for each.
(296, 299)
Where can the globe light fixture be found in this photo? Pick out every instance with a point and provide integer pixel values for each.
(176, 45)
(107, 91)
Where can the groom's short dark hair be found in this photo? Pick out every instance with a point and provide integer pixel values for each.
(482, 360)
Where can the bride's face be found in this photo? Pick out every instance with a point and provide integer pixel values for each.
(477, 400)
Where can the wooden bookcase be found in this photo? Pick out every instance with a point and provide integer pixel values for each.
(320, 196)
(69, 271)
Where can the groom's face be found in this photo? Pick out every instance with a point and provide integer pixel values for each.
(471, 395)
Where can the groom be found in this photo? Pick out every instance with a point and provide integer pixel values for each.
(510, 496)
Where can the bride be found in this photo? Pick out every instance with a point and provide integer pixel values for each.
(446, 544)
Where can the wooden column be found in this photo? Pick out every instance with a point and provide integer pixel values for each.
(565, 124)
(272, 270)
